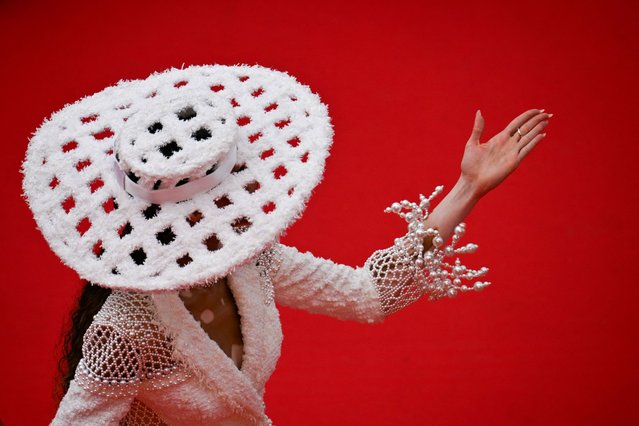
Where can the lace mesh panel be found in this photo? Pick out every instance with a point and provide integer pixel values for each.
(126, 347)
(110, 355)
(393, 280)
(141, 415)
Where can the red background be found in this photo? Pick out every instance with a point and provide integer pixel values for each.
(552, 341)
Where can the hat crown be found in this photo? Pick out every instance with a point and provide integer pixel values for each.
(173, 139)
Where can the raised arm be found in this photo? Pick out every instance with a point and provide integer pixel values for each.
(416, 264)
(484, 166)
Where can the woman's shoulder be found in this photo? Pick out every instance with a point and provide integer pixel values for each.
(126, 342)
(127, 311)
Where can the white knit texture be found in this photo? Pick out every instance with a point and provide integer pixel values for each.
(322, 286)
(108, 237)
(212, 390)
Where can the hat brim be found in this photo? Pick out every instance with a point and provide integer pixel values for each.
(115, 240)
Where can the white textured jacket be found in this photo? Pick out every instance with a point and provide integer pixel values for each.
(146, 360)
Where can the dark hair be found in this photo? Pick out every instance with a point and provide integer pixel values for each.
(89, 302)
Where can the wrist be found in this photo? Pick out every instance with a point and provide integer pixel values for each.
(468, 190)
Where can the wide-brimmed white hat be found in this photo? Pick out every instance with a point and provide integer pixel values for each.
(176, 180)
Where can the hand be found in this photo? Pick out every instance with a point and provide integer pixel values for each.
(486, 165)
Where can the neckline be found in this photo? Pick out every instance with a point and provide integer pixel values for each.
(206, 359)
(207, 304)
(197, 328)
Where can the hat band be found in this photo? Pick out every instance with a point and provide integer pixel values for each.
(178, 193)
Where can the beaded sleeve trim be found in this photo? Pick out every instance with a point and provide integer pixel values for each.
(127, 349)
(268, 262)
(405, 272)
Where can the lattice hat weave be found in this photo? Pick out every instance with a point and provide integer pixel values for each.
(256, 136)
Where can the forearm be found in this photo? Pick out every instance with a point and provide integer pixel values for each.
(452, 210)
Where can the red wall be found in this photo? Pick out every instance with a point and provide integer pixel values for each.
(554, 340)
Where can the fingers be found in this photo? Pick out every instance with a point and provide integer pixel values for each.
(478, 128)
(539, 126)
(534, 121)
(529, 146)
(511, 129)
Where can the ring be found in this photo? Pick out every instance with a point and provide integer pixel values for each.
(518, 131)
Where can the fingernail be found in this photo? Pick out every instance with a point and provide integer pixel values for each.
(550, 115)
(542, 110)
(543, 135)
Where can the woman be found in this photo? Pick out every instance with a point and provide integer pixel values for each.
(172, 192)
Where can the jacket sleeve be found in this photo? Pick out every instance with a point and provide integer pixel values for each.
(321, 286)
(390, 279)
(106, 380)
